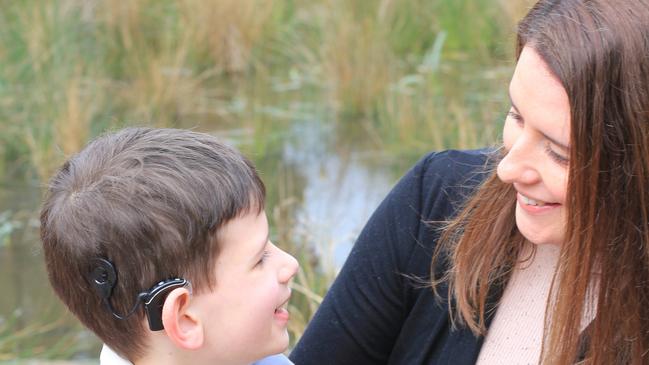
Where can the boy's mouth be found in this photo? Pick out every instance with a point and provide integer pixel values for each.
(283, 308)
(281, 313)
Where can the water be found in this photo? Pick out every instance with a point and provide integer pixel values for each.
(330, 184)
(324, 178)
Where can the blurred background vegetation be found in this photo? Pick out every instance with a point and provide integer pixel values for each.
(332, 99)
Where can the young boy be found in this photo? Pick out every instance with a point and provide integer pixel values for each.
(157, 240)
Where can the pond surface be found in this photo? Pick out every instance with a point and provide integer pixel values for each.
(330, 186)
(324, 177)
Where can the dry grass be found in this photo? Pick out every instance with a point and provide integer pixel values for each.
(412, 73)
(357, 59)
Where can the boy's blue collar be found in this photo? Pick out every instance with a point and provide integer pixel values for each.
(109, 357)
(274, 360)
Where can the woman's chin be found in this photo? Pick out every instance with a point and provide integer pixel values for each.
(540, 230)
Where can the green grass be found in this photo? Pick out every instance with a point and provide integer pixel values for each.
(44, 339)
(404, 76)
(72, 69)
(32, 323)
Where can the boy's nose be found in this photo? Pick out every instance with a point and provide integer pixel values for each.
(288, 269)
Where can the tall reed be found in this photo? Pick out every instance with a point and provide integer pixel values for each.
(405, 76)
(74, 68)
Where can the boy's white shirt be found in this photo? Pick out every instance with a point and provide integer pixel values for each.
(109, 357)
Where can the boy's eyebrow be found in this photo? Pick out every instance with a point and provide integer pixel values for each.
(263, 245)
(554, 141)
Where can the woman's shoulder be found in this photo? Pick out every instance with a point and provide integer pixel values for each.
(442, 181)
(431, 193)
(453, 166)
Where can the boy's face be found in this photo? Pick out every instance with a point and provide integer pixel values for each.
(245, 315)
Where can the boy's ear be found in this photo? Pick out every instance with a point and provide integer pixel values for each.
(182, 326)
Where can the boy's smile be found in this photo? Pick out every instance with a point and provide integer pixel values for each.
(245, 315)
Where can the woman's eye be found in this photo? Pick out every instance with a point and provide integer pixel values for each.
(517, 117)
(561, 160)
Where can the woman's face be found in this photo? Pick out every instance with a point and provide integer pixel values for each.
(536, 139)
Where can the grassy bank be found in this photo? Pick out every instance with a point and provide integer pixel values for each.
(402, 76)
(431, 70)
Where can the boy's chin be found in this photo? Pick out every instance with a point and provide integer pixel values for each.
(283, 342)
(279, 345)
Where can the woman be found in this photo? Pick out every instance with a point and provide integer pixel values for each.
(540, 249)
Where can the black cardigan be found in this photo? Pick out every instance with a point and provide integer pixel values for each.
(375, 312)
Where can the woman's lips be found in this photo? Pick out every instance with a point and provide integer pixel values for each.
(535, 206)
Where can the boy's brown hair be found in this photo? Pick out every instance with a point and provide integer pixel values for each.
(150, 201)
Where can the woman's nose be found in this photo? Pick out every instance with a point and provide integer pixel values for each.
(518, 165)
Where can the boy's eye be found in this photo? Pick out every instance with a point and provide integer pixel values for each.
(263, 258)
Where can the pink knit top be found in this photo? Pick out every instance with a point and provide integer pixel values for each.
(516, 333)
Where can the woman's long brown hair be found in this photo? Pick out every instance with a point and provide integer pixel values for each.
(599, 51)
